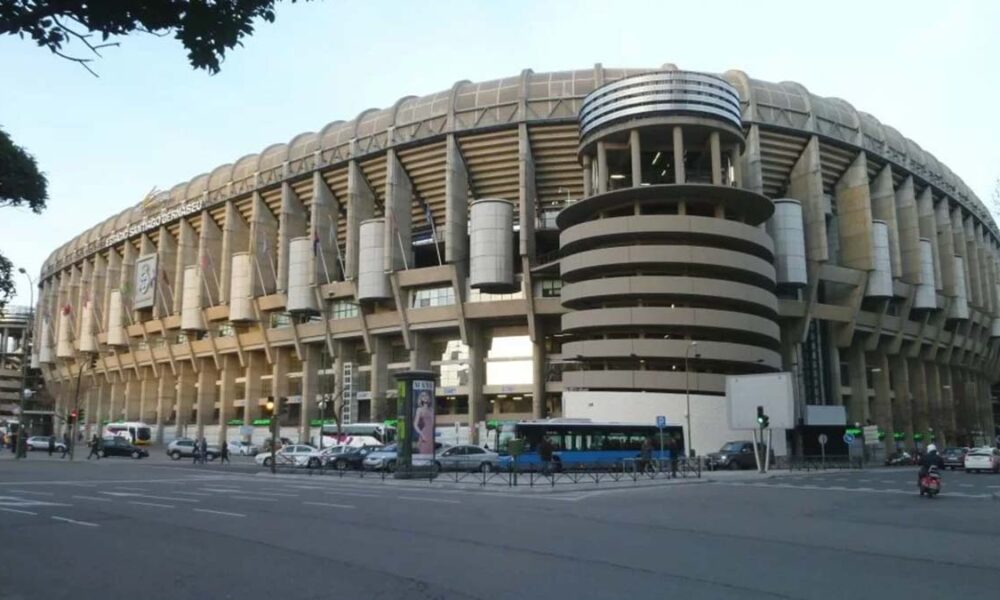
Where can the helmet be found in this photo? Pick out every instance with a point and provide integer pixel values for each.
(931, 448)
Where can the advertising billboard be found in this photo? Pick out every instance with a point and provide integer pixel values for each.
(144, 287)
(423, 417)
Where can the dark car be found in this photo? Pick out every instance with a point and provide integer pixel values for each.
(734, 456)
(954, 458)
(118, 446)
(350, 458)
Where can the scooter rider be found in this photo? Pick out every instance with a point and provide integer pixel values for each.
(930, 459)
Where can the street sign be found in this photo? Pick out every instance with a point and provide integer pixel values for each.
(871, 435)
(246, 430)
(848, 439)
(661, 422)
(823, 439)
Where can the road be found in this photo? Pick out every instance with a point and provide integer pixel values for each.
(170, 530)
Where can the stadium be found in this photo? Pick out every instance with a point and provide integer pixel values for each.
(603, 243)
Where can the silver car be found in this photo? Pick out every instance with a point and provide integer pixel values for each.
(41, 442)
(184, 448)
(467, 457)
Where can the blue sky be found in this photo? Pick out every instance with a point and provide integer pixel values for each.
(929, 69)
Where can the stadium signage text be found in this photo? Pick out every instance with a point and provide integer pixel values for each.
(152, 222)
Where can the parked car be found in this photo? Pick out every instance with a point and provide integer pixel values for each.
(184, 448)
(244, 449)
(318, 458)
(954, 458)
(385, 458)
(467, 457)
(984, 459)
(351, 457)
(734, 456)
(41, 442)
(288, 455)
(119, 446)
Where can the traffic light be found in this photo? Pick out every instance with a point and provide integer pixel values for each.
(73, 415)
(79, 414)
(762, 419)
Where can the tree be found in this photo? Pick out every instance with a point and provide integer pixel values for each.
(206, 28)
(21, 184)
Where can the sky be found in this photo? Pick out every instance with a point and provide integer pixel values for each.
(929, 69)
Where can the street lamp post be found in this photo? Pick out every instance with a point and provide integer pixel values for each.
(687, 393)
(28, 339)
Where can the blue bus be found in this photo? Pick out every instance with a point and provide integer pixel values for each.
(578, 442)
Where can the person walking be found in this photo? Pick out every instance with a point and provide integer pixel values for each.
(65, 445)
(646, 455)
(196, 451)
(95, 447)
(52, 444)
(224, 453)
(545, 451)
(673, 448)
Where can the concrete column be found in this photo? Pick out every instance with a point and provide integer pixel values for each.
(947, 402)
(935, 398)
(456, 221)
(805, 184)
(255, 366)
(922, 422)
(311, 364)
(116, 398)
(538, 364)
(636, 154)
(588, 176)
(527, 193)
(928, 229)
(360, 206)
(602, 168)
(89, 403)
(291, 224)
(187, 255)
(883, 203)
(381, 350)
(857, 409)
(882, 407)
(184, 398)
(716, 153)
(166, 394)
(147, 395)
(207, 394)
(945, 246)
(903, 405)
(235, 238)
(227, 392)
(131, 409)
(855, 214)
(678, 134)
(263, 250)
(478, 347)
(420, 353)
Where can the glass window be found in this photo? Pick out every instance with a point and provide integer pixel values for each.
(226, 330)
(280, 319)
(343, 309)
(509, 361)
(439, 296)
(475, 295)
(551, 288)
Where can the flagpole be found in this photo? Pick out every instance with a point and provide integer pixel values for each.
(318, 248)
(215, 276)
(434, 236)
(340, 258)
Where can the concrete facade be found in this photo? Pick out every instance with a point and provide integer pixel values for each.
(662, 239)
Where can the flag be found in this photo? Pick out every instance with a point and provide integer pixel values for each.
(66, 309)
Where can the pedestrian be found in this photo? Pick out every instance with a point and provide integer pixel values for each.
(65, 444)
(52, 444)
(95, 447)
(204, 450)
(224, 453)
(646, 455)
(545, 450)
(196, 451)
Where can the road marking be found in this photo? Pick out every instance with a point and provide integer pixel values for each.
(361, 494)
(965, 485)
(74, 522)
(157, 504)
(193, 493)
(330, 504)
(131, 495)
(94, 498)
(438, 500)
(286, 495)
(221, 490)
(219, 512)
(254, 499)
(889, 481)
(33, 493)
(14, 510)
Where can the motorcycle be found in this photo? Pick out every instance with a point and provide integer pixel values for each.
(930, 484)
(900, 459)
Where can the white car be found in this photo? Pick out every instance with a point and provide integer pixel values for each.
(982, 459)
(41, 442)
(318, 458)
(287, 455)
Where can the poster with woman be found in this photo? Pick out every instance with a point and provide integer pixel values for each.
(423, 416)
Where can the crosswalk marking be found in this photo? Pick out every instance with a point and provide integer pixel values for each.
(75, 522)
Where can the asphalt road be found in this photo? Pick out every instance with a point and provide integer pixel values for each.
(166, 530)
